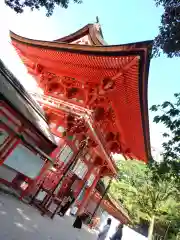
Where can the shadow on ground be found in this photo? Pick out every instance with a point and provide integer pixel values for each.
(19, 221)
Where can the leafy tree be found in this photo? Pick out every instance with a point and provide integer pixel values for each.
(172, 221)
(49, 5)
(142, 195)
(168, 114)
(169, 31)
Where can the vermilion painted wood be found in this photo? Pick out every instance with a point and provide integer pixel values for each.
(67, 71)
(107, 83)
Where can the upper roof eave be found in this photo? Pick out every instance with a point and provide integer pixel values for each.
(90, 29)
(76, 48)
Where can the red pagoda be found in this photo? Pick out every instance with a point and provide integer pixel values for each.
(95, 100)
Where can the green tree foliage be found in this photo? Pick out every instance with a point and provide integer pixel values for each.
(145, 196)
(19, 5)
(168, 114)
(169, 31)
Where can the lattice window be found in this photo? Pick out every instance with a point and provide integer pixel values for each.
(80, 169)
(65, 154)
(90, 180)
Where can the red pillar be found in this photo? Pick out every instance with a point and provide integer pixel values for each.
(8, 148)
(81, 184)
(88, 194)
(10, 144)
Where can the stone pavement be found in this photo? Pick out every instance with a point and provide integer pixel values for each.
(19, 221)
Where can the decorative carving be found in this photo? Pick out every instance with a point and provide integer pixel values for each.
(50, 116)
(92, 94)
(70, 118)
(98, 94)
(54, 87)
(45, 78)
(115, 147)
(108, 84)
(110, 137)
(57, 85)
(81, 137)
(97, 26)
(71, 92)
(98, 161)
(91, 143)
(82, 41)
(99, 113)
(110, 115)
(113, 142)
(76, 125)
(68, 81)
(105, 171)
(38, 68)
(95, 97)
(105, 115)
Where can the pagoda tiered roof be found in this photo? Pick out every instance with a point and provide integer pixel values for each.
(111, 81)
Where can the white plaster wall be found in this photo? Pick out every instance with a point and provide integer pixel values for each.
(7, 173)
(24, 161)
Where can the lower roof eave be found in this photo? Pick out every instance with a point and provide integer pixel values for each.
(11, 86)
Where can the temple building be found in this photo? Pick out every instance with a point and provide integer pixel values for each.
(95, 103)
(25, 138)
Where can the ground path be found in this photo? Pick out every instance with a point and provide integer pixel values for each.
(19, 221)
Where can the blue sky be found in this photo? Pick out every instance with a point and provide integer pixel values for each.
(122, 22)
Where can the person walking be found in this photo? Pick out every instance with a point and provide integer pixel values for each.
(103, 234)
(118, 234)
(77, 225)
(94, 223)
(66, 204)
